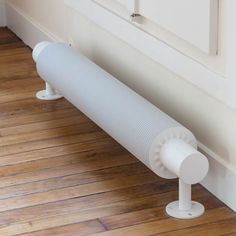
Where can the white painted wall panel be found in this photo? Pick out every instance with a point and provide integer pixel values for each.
(192, 20)
(195, 21)
(2, 13)
(131, 5)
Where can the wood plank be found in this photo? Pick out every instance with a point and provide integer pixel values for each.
(87, 208)
(79, 229)
(124, 169)
(93, 206)
(214, 228)
(57, 161)
(86, 135)
(18, 68)
(79, 127)
(75, 191)
(170, 224)
(30, 83)
(110, 210)
(148, 214)
(11, 45)
(20, 55)
(17, 131)
(62, 150)
(16, 96)
(38, 117)
(112, 202)
(16, 109)
(48, 173)
(230, 234)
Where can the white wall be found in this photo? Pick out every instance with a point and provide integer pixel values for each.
(213, 123)
(2, 13)
(49, 13)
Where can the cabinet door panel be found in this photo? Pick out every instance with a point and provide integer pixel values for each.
(192, 20)
(131, 5)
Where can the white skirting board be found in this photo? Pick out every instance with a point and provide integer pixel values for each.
(221, 180)
(26, 28)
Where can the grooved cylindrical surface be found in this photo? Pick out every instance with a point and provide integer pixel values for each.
(129, 118)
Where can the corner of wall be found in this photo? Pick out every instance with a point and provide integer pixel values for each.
(220, 180)
(26, 28)
(3, 13)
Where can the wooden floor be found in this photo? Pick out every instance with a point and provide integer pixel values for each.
(62, 175)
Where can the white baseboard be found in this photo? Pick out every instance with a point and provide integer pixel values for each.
(26, 28)
(221, 179)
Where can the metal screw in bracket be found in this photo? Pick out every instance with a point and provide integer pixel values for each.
(135, 17)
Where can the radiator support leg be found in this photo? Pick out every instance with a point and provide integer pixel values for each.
(185, 208)
(49, 93)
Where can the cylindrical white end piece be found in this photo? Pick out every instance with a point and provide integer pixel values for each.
(184, 160)
(38, 49)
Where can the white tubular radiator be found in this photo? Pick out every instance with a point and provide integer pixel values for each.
(160, 142)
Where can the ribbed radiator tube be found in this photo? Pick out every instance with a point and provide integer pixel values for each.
(160, 142)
